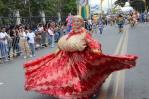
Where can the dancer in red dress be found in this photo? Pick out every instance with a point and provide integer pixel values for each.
(77, 70)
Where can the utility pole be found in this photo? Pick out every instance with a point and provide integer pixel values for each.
(111, 4)
(108, 4)
(77, 3)
(145, 5)
(101, 5)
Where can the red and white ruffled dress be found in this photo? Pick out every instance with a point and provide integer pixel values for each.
(74, 72)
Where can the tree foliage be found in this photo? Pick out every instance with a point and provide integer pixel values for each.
(70, 6)
(120, 2)
(51, 7)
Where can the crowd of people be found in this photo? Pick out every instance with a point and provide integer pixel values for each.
(119, 20)
(22, 40)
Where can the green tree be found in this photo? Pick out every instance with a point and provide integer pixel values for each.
(13, 5)
(8, 8)
(37, 5)
(120, 2)
(70, 7)
(138, 5)
(1, 5)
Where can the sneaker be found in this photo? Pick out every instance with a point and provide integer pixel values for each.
(6, 60)
(25, 57)
(30, 56)
(1, 62)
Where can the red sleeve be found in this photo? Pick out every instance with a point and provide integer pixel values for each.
(92, 43)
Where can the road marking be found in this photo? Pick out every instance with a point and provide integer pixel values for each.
(118, 89)
(1, 83)
(104, 88)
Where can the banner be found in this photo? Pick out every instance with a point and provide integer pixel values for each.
(83, 2)
(84, 9)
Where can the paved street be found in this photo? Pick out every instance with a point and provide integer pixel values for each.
(136, 83)
(136, 80)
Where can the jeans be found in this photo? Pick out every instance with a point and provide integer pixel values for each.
(57, 36)
(51, 40)
(43, 38)
(18, 49)
(100, 30)
(69, 28)
(32, 47)
(4, 51)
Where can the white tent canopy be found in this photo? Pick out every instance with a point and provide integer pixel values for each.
(127, 4)
(127, 9)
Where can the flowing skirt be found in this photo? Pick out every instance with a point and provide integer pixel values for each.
(73, 75)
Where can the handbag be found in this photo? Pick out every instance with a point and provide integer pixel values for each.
(28, 38)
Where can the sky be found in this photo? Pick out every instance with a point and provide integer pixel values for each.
(105, 4)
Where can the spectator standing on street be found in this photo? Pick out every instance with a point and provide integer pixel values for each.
(57, 32)
(100, 25)
(51, 34)
(94, 27)
(23, 43)
(15, 42)
(64, 28)
(120, 23)
(69, 22)
(39, 36)
(31, 41)
(42, 31)
(40, 27)
(88, 25)
(3, 44)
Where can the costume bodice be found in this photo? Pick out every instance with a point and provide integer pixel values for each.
(73, 43)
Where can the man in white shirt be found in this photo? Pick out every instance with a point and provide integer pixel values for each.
(3, 44)
(31, 41)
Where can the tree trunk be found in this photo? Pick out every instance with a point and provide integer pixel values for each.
(59, 16)
(42, 14)
(17, 15)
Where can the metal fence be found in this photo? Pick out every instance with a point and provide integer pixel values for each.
(12, 48)
(25, 20)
